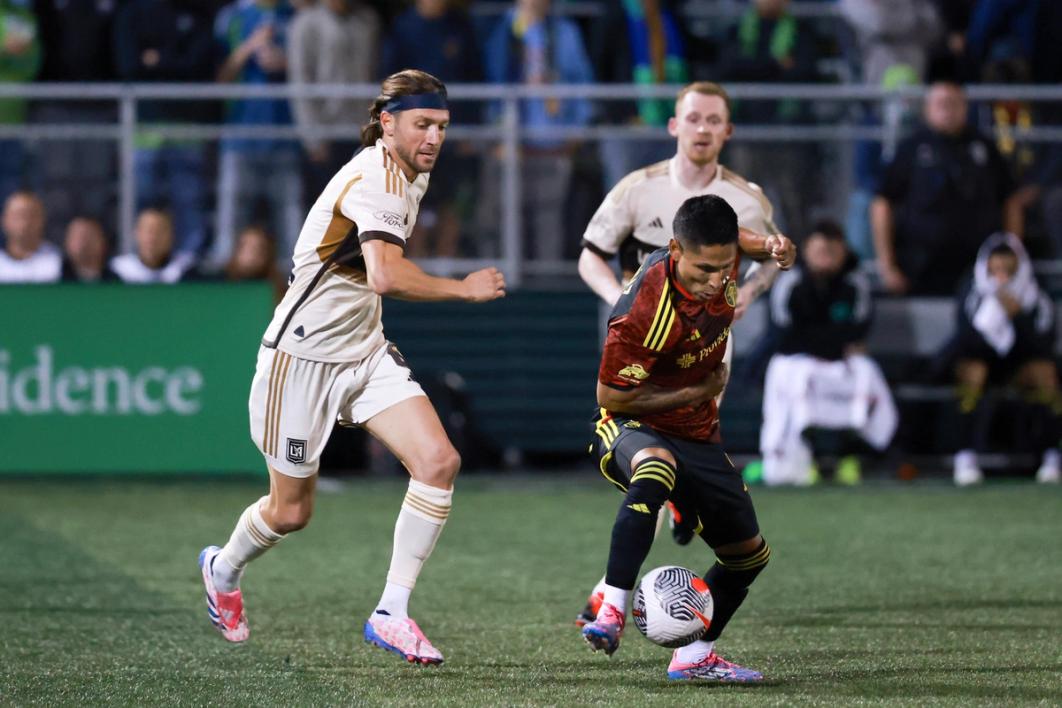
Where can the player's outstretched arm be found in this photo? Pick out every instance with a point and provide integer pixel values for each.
(775, 247)
(647, 398)
(757, 281)
(391, 273)
(596, 272)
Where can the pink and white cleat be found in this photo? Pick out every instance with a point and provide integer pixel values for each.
(224, 609)
(605, 631)
(711, 668)
(403, 637)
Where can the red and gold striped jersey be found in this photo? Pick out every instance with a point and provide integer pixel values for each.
(658, 334)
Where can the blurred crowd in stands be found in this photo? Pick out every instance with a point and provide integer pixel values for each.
(950, 191)
(951, 176)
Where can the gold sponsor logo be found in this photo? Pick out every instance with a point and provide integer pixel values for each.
(690, 358)
(695, 335)
(634, 371)
(731, 293)
(632, 424)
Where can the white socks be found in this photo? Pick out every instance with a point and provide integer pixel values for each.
(250, 539)
(617, 598)
(420, 521)
(695, 652)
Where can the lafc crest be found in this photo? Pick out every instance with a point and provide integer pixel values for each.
(731, 293)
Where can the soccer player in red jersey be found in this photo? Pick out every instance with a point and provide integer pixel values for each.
(657, 431)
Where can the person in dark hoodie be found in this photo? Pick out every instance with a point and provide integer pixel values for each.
(1006, 334)
(820, 376)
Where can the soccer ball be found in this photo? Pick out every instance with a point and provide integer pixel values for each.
(672, 606)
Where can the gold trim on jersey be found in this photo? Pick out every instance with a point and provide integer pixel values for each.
(658, 168)
(394, 180)
(278, 375)
(663, 320)
(744, 185)
(338, 227)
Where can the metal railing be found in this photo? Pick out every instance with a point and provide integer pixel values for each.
(508, 131)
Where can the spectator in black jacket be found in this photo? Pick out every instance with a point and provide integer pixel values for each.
(821, 376)
(76, 176)
(85, 252)
(946, 190)
(169, 40)
(1006, 334)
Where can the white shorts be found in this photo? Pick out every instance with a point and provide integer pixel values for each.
(295, 402)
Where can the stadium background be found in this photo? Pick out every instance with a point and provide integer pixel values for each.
(151, 381)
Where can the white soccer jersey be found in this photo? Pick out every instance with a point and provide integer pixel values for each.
(337, 319)
(643, 206)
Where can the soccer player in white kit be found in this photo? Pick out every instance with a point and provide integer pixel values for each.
(636, 216)
(324, 359)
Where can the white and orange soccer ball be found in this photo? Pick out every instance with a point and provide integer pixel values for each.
(672, 606)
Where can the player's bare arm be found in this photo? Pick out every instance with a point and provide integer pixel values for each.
(757, 281)
(760, 247)
(648, 398)
(391, 273)
(597, 273)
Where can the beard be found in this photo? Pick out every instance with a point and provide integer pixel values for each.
(410, 158)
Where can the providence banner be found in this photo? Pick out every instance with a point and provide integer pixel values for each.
(129, 379)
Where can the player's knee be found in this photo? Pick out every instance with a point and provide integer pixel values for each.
(652, 480)
(291, 516)
(438, 467)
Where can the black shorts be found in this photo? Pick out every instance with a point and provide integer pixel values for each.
(706, 482)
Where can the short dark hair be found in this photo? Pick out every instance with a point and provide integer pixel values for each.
(828, 229)
(706, 220)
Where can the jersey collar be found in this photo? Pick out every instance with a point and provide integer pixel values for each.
(673, 277)
(677, 184)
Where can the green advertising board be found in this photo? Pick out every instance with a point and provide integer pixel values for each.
(129, 379)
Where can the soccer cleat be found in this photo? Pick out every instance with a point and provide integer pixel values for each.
(711, 668)
(224, 609)
(588, 613)
(401, 636)
(605, 631)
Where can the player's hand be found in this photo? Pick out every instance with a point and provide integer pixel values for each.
(894, 281)
(716, 381)
(782, 251)
(484, 285)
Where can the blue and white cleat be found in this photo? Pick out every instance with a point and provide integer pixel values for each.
(604, 632)
(711, 668)
(401, 636)
(224, 609)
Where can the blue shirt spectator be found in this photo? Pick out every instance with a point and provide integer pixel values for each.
(530, 46)
(252, 36)
(440, 39)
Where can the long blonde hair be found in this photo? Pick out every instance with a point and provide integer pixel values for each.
(404, 83)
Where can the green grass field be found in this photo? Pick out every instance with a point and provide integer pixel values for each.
(915, 595)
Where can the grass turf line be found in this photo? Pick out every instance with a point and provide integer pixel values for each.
(914, 595)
